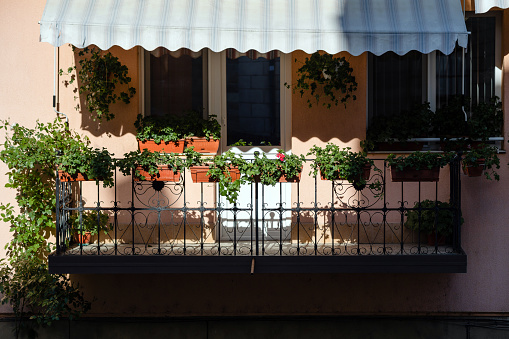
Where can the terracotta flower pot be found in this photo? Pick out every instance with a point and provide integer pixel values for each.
(365, 174)
(199, 174)
(66, 177)
(414, 175)
(83, 237)
(282, 178)
(440, 239)
(409, 146)
(474, 170)
(165, 174)
(163, 147)
(201, 145)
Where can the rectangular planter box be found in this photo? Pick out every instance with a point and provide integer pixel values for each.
(201, 145)
(199, 174)
(163, 147)
(474, 171)
(283, 178)
(366, 172)
(165, 174)
(413, 175)
(409, 146)
(66, 177)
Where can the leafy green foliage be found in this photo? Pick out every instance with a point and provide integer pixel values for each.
(31, 156)
(91, 221)
(149, 161)
(97, 164)
(219, 171)
(486, 155)
(419, 160)
(172, 128)
(428, 216)
(268, 171)
(449, 120)
(340, 163)
(401, 127)
(323, 74)
(487, 120)
(31, 291)
(100, 74)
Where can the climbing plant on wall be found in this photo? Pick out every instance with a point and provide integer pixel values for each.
(99, 73)
(328, 78)
(31, 156)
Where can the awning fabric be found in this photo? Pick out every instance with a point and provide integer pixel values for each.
(355, 26)
(483, 6)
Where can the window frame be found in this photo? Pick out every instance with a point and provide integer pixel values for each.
(214, 96)
(429, 68)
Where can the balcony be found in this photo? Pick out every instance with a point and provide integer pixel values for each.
(313, 226)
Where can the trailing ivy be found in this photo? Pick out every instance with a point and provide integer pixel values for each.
(31, 156)
(99, 75)
(328, 76)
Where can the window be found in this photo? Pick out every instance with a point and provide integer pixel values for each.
(253, 101)
(396, 82)
(242, 89)
(173, 81)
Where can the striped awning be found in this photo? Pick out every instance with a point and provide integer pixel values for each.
(483, 6)
(354, 26)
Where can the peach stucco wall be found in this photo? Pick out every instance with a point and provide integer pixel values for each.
(26, 88)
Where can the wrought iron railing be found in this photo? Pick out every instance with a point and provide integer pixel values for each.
(311, 218)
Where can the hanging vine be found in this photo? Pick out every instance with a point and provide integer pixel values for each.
(99, 74)
(326, 76)
(31, 156)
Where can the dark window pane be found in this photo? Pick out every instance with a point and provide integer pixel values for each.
(253, 101)
(176, 84)
(396, 83)
(479, 65)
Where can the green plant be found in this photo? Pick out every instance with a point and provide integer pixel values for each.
(487, 120)
(419, 160)
(270, 170)
(323, 74)
(429, 216)
(31, 291)
(91, 221)
(486, 155)
(31, 156)
(94, 163)
(449, 120)
(173, 128)
(193, 124)
(335, 163)
(99, 74)
(149, 161)
(219, 171)
(401, 127)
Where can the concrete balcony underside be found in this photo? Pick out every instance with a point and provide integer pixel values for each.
(272, 257)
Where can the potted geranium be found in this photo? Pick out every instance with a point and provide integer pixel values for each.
(89, 223)
(202, 134)
(481, 159)
(335, 163)
(326, 76)
(171, 134)
(159, 134)
(82, 163)
(285, 168)
(223, 169)
(392, 133)
(417, 166)
(435, 218)
(151, 166)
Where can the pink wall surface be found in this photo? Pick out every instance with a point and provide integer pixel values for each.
(26, 89)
